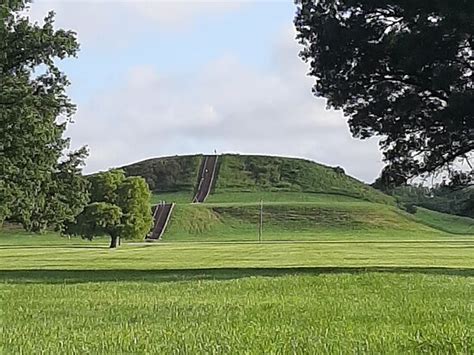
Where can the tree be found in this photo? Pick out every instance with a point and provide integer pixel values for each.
(37, 187)
(399, 69)
(120, 208)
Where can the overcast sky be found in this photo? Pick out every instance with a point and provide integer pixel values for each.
(157, 78)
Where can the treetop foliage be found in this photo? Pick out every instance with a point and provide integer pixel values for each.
(399, 69)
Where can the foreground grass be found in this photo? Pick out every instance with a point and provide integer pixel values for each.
(65, 296)
(313, 313)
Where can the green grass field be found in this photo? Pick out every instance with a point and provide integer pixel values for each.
(62, 295)
(315, 312)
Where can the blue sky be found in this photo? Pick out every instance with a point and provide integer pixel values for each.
(160, 78)
(247, 33)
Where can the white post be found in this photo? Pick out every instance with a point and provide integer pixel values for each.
(260, 229)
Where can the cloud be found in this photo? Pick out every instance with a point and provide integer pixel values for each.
(227, 106)
(116, 23)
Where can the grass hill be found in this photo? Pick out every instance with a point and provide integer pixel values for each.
(248, 176)
(303, 200)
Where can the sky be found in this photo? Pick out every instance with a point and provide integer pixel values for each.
(160, 78)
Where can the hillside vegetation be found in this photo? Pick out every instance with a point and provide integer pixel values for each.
(263, 173)
(250, 174)
(296, 221)
(168, 174)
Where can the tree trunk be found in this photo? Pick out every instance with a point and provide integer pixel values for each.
(114, 241)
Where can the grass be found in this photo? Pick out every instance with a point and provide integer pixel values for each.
(313, 313)
(282, 196)
(293, 221)
(49, 252)
(60, 295)
(446, 222)
(176, 197)
(253, 173)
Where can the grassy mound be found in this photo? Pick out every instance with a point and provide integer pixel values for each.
(176, 177)
(303, 201)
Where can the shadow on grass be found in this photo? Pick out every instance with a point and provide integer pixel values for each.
(176, 275)
(56, 246)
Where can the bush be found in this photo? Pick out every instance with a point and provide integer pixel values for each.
(409, 207)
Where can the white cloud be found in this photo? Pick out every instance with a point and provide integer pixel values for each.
(115, 23)
(226, 106)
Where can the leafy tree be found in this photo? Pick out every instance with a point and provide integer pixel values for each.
(120, 207)
(37, 188)
(400, 69)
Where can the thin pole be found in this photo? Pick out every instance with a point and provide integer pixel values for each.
(260, 228)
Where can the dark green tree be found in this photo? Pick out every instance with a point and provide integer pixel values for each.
(38, 186)
(120, 208)
(399, 69)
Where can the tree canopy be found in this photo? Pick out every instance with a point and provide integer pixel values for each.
(39, 187)
(399, 69)
(120, 208)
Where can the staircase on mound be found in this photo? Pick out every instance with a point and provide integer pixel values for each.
(207, 174)
(161, 217)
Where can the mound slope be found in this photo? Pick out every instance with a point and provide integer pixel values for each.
(252, 174)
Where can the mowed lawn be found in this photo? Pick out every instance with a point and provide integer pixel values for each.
(371, 296)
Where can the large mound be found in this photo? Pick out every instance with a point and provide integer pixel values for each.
(302, 200)
(251, 174)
